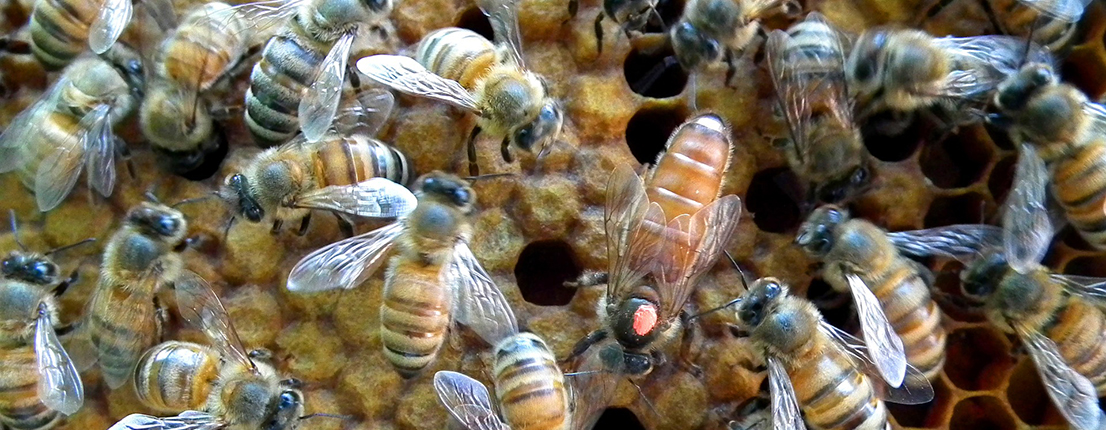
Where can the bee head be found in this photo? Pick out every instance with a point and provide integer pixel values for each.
(160, 221)
(692, 47)
(979, 279)
(816, 235)
(236, 192)
(543, 130)
(1015, 92)
(448, 189)
(841, 189)
(756, 303)
(864, 63)
(378, 6)
(31, 268)
(285, 408)
(631, 14)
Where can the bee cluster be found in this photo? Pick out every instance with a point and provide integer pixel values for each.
(820, 213)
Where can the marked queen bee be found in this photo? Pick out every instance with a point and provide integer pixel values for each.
(433, 280)
(462, 68)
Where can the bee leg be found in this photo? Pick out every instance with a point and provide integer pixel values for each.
(306, 221)
(588, 279)
(474, 170)
(505, 149)
(599, 34)
(344, 225)
(161, 317)
(354, 79)
(276, 226)
(64, 285)
(731, 67)
(582, 346)
(689, 339)
(125, 154)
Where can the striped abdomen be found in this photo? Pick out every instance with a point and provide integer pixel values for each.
(905, 299)
(458, 54)
(56, 131)
(414, 314)
(59, 30)
(529, 385)
(205, 46)
(813, 51)
(1054, 34)
(349, 160)
(20, 408)
(833, 394)
(175, 376)
(121, 326)
(1079, 184)
(688, 175)
(1079, 330)
(288, 66)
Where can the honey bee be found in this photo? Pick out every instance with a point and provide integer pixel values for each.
(711, 30)
(903, 71)
(1052, 24)
(234, 389)
(629, 14)
(343, 172)
(38, 380)
(1066, 129)
(433, 279)
(674, 226)
(462, 68)
(175, 115)
(815, 367)
(298, 83)
(69, 129)
(807, 67)
(531, 391)
(901, 323)
(60, 30)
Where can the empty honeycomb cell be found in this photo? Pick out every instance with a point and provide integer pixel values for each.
(965, 208)
(768, 203)
(474, 19)
(835, 307)
(978, 358)
(892, 139)
(981, 413)
(652, 71)
(1002, 178)
(947, 292)
(670, 12)
(542, 269)
(649, 129)
(928, 415)
(618, 419)
(1091, 265)
(1072, 239)
(1028, 398)
(959, 160)
(1000, 137)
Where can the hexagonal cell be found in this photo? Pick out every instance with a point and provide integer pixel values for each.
(981, 413)
(1002, 178)
(928, 415)
(957, 161)
(1086, 266)
(654, 72)
(890, 137)
(475, 20)
(999, 136)
(978, 358)
(618, 418)
(648, 130)
(947, 294)
(836, 308)
(767, 200)
(670, 11)
(1027, 397)
(967, 208)
(541, 271)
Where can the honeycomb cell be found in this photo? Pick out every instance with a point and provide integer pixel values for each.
(767, 200)
(1085, 71)
(475, 20)
(947, 293)
(618, 418)
(653, 71)
(1002, 178)
(965, 208)
(836, 307)
(928, 415)
(957, 161)
(649, 129)
(978, 358)
(212, 160)
(891, 139)
(1028, 398)
(1090, 265)
(998, 136)
(981, 413)
(542, 269)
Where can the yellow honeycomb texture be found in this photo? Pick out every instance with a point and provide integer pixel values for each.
(544, 225)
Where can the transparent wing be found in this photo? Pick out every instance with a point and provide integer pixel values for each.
(368, 114)
(57, 174)
(503, 15)
(375, 197)
(1064, 10)
(319, 104)
(884, 345)
(1088, 287)
(962, 241)
(593, 383)
(631, 249)
(109, 24)
(984, 62)
(199, 305)
(262, 17)
(1072, 393)
(99, 142)
(1094, 111)
(691, 247)
(785, 407)
(59, 384)
(406, 75)
(136, 307)
(19, 130)
(187, 420)
(480, 304)
(467, 400)
(1027, 229)
(344, 264)
(162, 12)
(915, 388)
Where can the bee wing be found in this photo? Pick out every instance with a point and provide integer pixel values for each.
(187, 420)
(1064, 10)
(593, 384)
(989, 60)
(631, 251)
(109, 24)
(788, 93)
(264, 16)
(915, 388)
(693, 244)
(1089, 287)
(467, 400)
(19, 130)
(884, 345)
(374, 197)
(344, 264)
(58, 172)
(59, 384)
(371, 111)
(319, 104)
(100, 147)
(1072, 393)
(1027, 229)
(199, 305)
(503, 15)
(480, 304)
(406, 75)
(136, 307)
(960, 241)
(785, 407)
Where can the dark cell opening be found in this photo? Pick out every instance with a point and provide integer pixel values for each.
(981, 413)
(670, 12)
(541, 271)
(208, 167)
(963, 209)
(475, 20)
(618, 418)
(1081, 70)
(891, 136)
(926, 415)
(1071, 238)
(768, 199)
(653, 72)
(836, 307)
(999, 136)
(648, 131)
(958, 161)
(1002, 178)
(1028, 398)
(947, 293)
(1086, 266)
(978, 359)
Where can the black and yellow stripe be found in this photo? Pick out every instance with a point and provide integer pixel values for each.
(457, 54)
(20, 408)
(414, 314)
(529, 385)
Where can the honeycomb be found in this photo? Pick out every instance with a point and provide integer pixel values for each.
(544, 225)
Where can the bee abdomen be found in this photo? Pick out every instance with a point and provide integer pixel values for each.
(20, 408)
(349, 160)
(458, 54)
(414, 316)
(1080, 334)
(1054, 34)
(689, 173)
(59, 30)
(203, 48)
(1079, 183)
(287, 67)
(914, 316)
(530, 386)
(175, 376)
(834, 395)
(116, 349)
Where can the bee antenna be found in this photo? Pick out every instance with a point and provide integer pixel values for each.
(150, 194)
(192, 200)
(72, 245)
(487, 176)
(15, 230)
(323, 415)
(226, 231)
(728, 304)
(740, 273)
(642, 395)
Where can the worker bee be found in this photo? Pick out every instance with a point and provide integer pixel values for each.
(530, 389)
(711, 30)
(433, 279)
(175, 115)
(629, 14)
(69, 129)
(673, 226)
(285, 183)
(901, 323)
(464, 69)
(903, 71)
(1065, 128)
(60, 30)
(815, 367)
(807, 67)
(233, 388)
(298, 83)
(39, 380)
(1052, 24)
